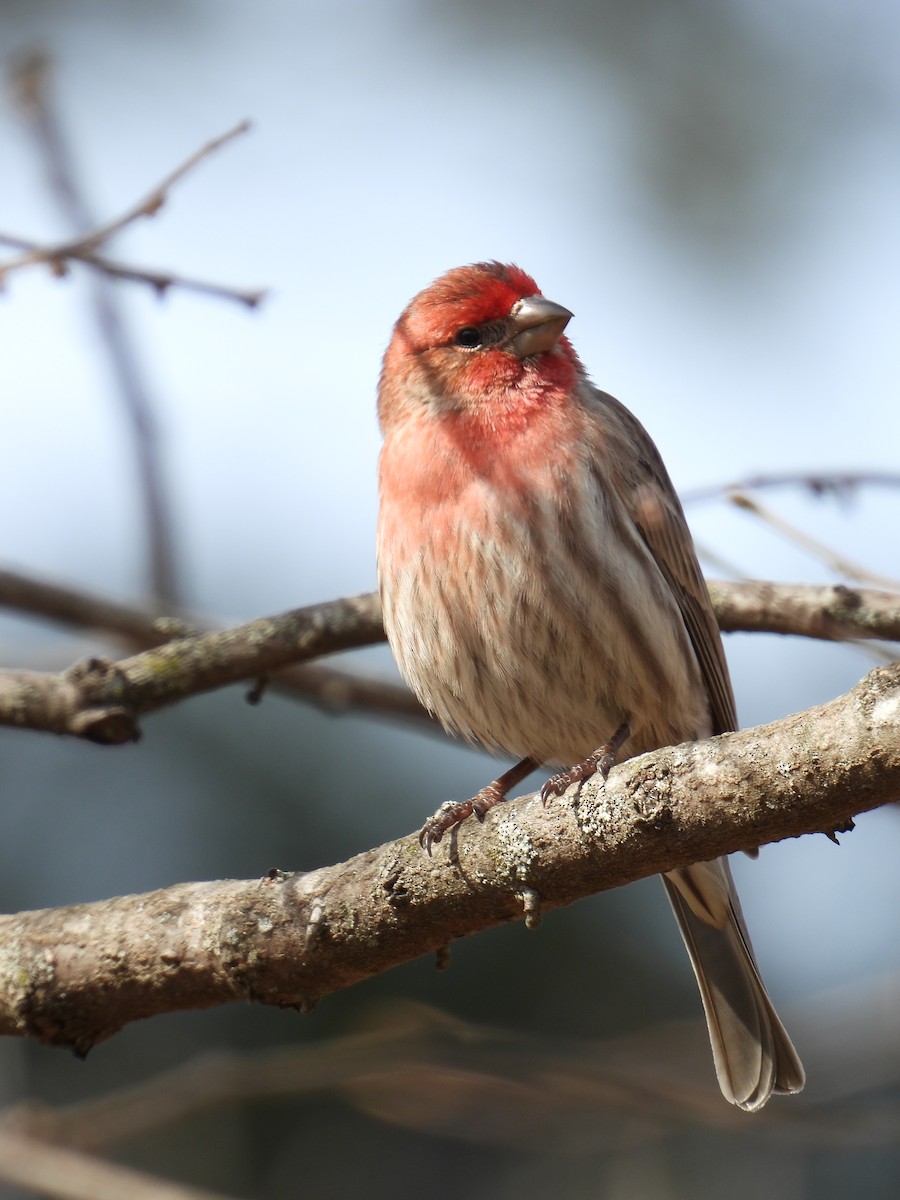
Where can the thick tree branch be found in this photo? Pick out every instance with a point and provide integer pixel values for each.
(74, 976)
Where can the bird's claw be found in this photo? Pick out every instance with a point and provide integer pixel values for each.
(557, 785)
(454, 812)
(601, 762)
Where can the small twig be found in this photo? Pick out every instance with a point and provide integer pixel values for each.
(837, 562)
(148, 206)
(31, 80)
(719, 562)
(160, 281)
(820, 483)
(340, 692)
(80, 609)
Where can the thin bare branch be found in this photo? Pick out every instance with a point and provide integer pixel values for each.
(75, 607)
(330, 688)
(160, 281)
(32, 83)
(30, 77)
(340, 692)
(719, 562)
(101, 701)
(837, 562)
(820, 483)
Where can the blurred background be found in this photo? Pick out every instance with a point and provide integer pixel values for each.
(712, 188)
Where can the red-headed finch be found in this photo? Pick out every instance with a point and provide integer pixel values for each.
(542, 595)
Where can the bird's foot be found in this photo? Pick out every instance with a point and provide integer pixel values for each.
(454, 812)
(600, 762)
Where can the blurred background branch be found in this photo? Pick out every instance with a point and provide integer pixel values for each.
(33, 87)
(50, 1170)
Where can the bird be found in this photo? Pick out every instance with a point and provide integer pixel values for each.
(542, 597)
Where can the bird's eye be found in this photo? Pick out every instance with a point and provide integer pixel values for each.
(469, 337)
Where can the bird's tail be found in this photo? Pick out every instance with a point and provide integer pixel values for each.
(752, 1052)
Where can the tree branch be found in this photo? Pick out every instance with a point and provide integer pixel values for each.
(74, 976)
(841, 484)
(30, 82)
(32, 85)
(831, 613)
(834, 561)
(330, 688)
(102, 701)
(161, 281)
(78, 608)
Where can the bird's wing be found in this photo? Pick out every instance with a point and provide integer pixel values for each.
(656, 511)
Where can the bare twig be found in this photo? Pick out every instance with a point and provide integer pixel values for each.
(719, 562)
(160, 281)
(31, 82)
(31, 79)
(74, 976)
(837, 562)
(340, 692)
(820, 483)
(83, 610)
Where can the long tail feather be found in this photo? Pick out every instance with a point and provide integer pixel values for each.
(752, 1052)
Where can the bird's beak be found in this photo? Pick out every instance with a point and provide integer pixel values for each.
(536, 325)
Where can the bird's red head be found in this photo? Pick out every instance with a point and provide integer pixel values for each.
(480, 337)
